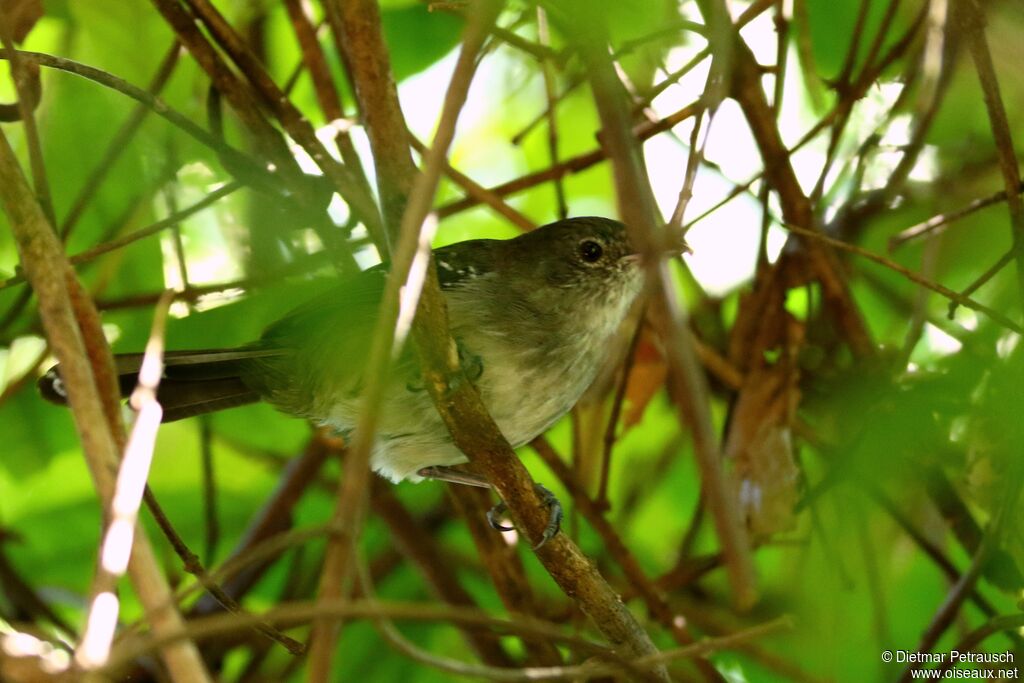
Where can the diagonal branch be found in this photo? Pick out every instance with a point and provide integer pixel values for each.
(638, 211)
(974, 24)
(472, 428)
(51, 278)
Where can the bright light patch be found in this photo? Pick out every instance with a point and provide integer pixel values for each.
(99, 632)
(688, 88)
(926, 168)
(760, 37)
(776, 241)
(939, 342)
(967, 318)
(1006, 344)
(731, 145)
(409, 297)
(22, 356)
(419, 96)
(19, 644)
(117, 546)
(725, 244)
(338, 210)
(807, 164)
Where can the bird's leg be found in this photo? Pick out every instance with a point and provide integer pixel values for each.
(453, 475)
(458, 476)
(554, 515)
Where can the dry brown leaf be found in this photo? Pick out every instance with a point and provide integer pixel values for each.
(645, 379)
(759, 441)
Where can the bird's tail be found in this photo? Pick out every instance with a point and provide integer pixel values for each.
(193, 383)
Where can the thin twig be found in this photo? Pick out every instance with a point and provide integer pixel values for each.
(52, 278)
(502, 563)
(104, 604)
(575, 164)
(237, 158)
(547, 72)
(613, 418)
(983, 279)
(243, 567)
(933, 224)
(192, 564)
(613, 543)
(347, 182)
(974, 23)
(1008, 623)
(296, 613)
(211, 525)
(951, 605)
(960, 299)
(412, 244)
(22, 75)
(638, 211)
(479, 192)
(119, 143)
(423, 551)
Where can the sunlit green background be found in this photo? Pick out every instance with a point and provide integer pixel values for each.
(851, 578)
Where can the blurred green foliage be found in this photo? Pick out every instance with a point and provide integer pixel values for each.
(854, 581)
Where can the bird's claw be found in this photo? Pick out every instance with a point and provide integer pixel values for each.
(554, 515)
(494, 517)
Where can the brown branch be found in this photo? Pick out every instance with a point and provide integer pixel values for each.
(473, 430)
(930, 549)
(1008, 623)
(796, 208)
(575, 164)
(414, 206)
(639, 213)
(50, 276)
(238, 160)
(323, 84)
(119, 143)
(954, 599)
(424, 552)
(268, 141)
(983, 279)
(960, 299)
(123, 241)
(547, 72)
(974, 25)
(613, 543)
(503, 564)
(296, 613)
(355, 27)
(479, 192)
(933, 224)
(194, 566)
(347, 182)
(613, 417)
(289, 614)
(275, 517)
(27, 86)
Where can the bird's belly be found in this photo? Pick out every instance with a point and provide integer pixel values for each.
(526, 396)
(524, 392)
(410, 434)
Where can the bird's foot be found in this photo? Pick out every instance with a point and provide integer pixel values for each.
(554, 515)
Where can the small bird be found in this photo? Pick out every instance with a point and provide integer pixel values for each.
(532, 318)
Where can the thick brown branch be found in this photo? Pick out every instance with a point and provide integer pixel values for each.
(638, 211)
(49, 274)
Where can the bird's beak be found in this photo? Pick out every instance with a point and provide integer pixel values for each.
(674, 248)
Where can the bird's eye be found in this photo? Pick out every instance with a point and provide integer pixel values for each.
(591, 251)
